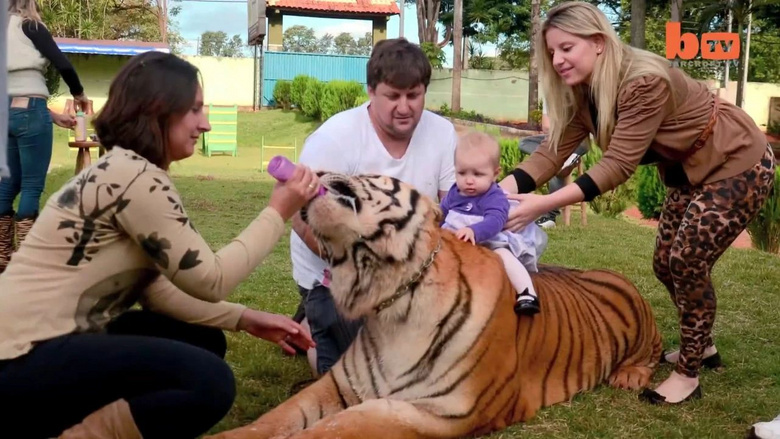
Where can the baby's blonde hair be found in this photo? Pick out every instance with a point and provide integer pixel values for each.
(476, 140)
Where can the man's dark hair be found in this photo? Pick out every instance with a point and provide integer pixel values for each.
(143, 96)
(398, 63)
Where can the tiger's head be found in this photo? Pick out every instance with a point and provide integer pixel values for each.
(375, 231)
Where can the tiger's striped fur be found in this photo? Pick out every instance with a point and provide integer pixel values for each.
(450, 358)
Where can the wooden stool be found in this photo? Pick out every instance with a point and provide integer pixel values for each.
(83, 158)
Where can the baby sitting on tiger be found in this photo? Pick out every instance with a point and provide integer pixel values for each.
(476, 208)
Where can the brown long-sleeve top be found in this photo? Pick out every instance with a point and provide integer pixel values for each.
(116, 235)
(658, 124)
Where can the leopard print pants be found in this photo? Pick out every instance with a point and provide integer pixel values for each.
(697, 225)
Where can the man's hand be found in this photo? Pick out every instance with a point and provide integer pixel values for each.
(275, 328)
(304, 232)
(465, 234)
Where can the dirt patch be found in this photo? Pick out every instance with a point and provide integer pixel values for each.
(742, 241)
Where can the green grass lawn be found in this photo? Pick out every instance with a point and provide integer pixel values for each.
(274, 127)
(747, 283)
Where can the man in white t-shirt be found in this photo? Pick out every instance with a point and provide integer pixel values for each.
(393, 135)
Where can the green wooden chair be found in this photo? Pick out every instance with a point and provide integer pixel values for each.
(223, 137)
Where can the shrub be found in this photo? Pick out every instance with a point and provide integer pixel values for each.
(610, 204)
(773, 128)
(298, 88)
(435, 54)
(338, 96)
(311, 98)
(282, 94)
(510, 156)
(764, 230)
(650, 192)
(361, 99)
(535, 116)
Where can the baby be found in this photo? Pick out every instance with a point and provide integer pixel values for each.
(476, 208)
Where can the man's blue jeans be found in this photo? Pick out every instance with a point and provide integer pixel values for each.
(332, 332)
(30, 137)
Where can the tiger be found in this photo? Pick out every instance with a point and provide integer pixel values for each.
(441, 353)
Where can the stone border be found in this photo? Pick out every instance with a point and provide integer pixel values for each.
(501, 128)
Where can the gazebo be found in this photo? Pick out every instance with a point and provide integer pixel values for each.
(378, 11)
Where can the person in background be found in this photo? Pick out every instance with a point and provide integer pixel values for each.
(75, 361)
(710, 153)
(31, 49)
(391, 134)
(529, 144)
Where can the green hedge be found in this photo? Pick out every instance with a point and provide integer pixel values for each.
(317, 99)
(650, 192)
(282, 94)
(764, 230)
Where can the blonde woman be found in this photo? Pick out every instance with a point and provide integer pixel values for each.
(30, 50)
(715, 161)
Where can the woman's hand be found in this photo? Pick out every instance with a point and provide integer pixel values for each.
(288, 197)
(81, 102)
(63, 120)
(275, 328)
(531, 207)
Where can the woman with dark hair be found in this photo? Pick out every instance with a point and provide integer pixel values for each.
(74, 360)
(31, 49)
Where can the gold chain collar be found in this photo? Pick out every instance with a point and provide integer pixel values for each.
(405, 288)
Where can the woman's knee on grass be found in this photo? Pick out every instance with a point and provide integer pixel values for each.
(201, 397)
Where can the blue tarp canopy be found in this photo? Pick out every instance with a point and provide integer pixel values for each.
(109, 47)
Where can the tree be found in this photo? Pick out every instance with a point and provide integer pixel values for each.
(300, 38)
(742, 12)
(345, 44)
(218, 44)
(457, 63)
(428, 13)
(533, 73)
(638, 13)
(140, 20)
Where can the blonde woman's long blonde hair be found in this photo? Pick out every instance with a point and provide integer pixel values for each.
(27, 9)
(615, 66)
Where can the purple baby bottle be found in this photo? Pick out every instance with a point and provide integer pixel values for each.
(281, 168)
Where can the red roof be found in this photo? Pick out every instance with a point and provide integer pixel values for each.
(375, 7)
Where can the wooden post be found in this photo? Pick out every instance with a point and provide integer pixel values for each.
(583, 204)
(567, 208)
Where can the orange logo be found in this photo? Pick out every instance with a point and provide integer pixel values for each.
(685, 45)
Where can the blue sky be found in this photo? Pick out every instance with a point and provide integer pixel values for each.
(231, 17)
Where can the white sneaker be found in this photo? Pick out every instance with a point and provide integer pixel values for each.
(766, 430)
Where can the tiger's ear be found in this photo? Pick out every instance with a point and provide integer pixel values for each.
(437, 213)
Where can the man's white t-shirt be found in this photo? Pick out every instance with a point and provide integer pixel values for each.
(347, 143)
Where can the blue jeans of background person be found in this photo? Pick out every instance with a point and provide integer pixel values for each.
(30, 137)
(529, 144)
(330, 331)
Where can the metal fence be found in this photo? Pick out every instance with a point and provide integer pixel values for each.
(287, 65)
